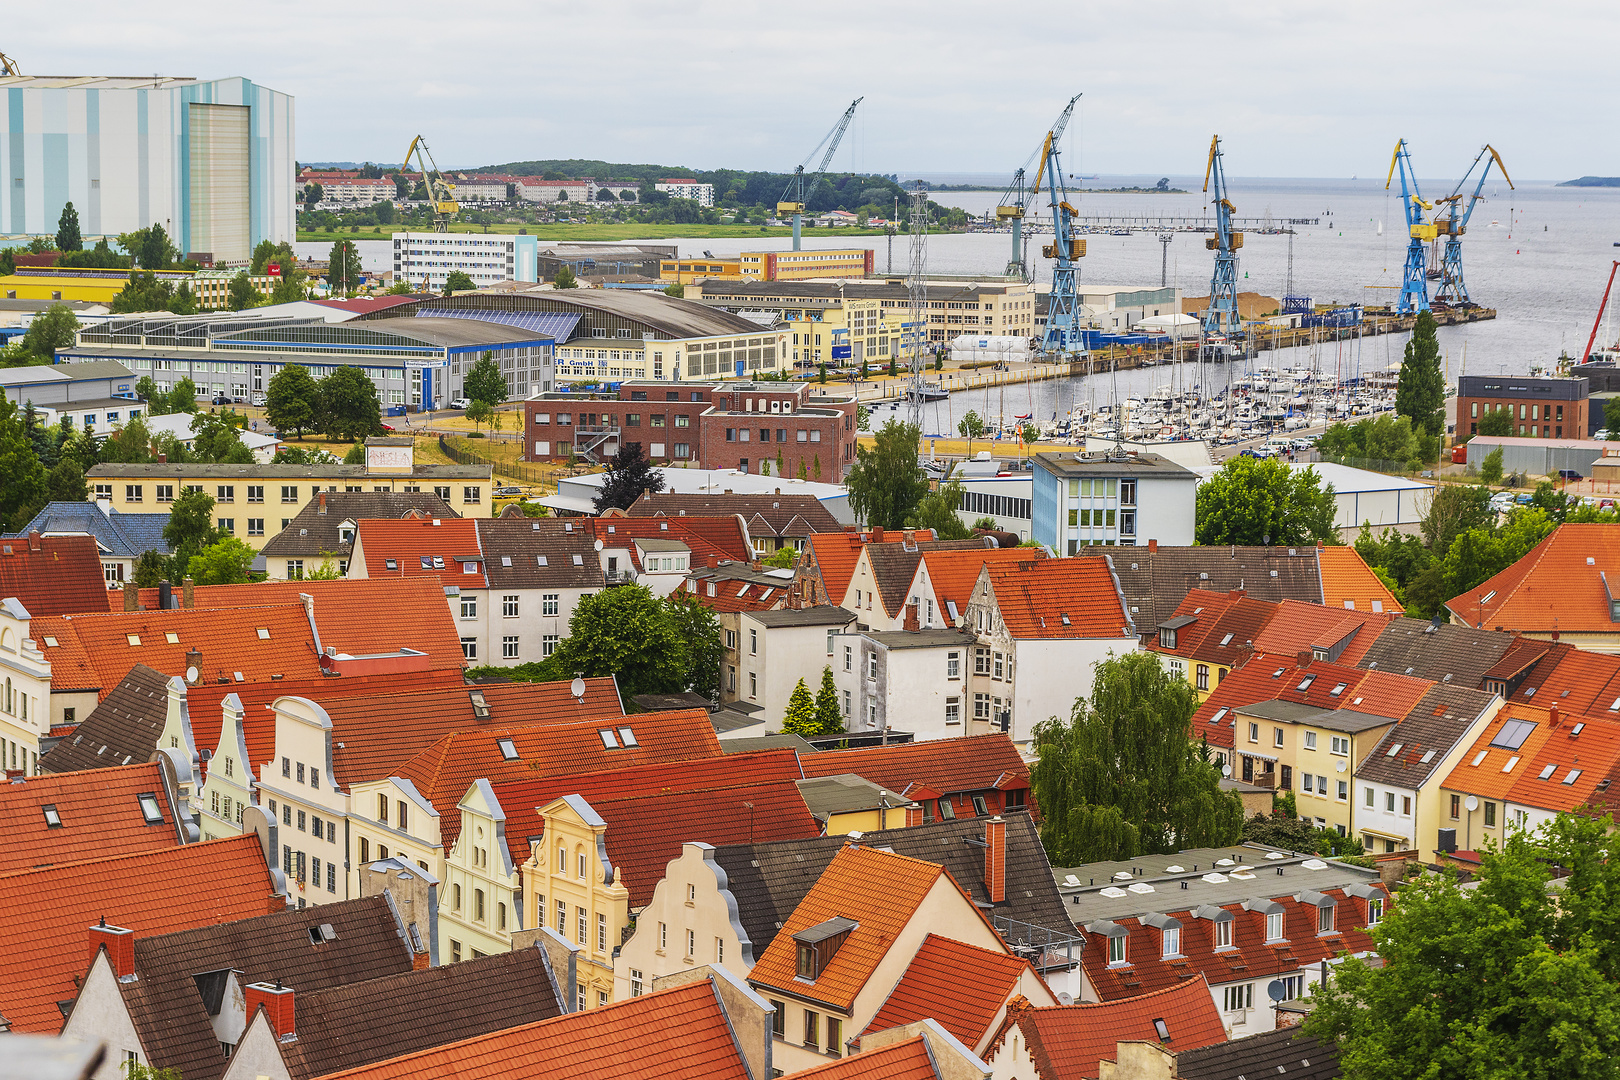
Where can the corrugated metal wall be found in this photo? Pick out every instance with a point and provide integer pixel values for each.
(220, 188)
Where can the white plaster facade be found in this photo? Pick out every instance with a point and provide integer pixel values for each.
(917, 682)
(25, 690)
(693, 897)
(775, 649)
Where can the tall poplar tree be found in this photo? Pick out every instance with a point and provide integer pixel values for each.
(1420, 392)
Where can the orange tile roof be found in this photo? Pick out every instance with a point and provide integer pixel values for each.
(1298, 627)
(947, 766)
(1582, 682)
(961, 986)
(1558, 586)
(1205, 608)
(93, 652)
(720, 535)
(347, 610)
(835, 554)
(1271, 677)
(908, 1060)
(1347, 580)
(1070, 1040)
(1582, 765)
(49, 913)
(954, 573)
(679, 1034)
(64, 576)
(880, 891)
(1236, 632)
(1036, 597)
(733, 594)
(451, 541)
(98, 813)
(1492, 771)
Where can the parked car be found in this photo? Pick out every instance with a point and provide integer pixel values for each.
(1524, 498)
(460, 403)
(389, 428)
(221, 399)
(1569, 474)
(509, 492)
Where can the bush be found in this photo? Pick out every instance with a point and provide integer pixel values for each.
(475, 434)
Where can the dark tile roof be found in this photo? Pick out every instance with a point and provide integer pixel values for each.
(513, 548)
(124, 726)
(1414, 647)
(1156, 581)
(779, 514)
(123, 535)
(314, 532)
(769, 880)
(357, 1024)
(1286, 1052)
(62, 577)
(894, 568)
(1426, 734)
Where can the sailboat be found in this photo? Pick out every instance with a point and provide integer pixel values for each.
(1380, 228)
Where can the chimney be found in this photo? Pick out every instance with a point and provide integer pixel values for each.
(132, 596)
(1236, 594)
(1552, 714)
(188, 592)
(165, 596)
(120, 945)
(1153, 545)
(1303, 658)
(194, 660)
(914, 815)
(322, 510)
(163, 459)
(278, 1003)
(995, 859)
(911, 623)
(33, 540)
(909, 536)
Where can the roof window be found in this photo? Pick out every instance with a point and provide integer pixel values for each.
(1066, 621)
(133, 639)
(263, 632)
(1547, 770)
(506, 560)
(1163, 1031)
(608, 741)
(438, 562)
(1479, 757)
(1305, 683)
(1220, 714)
(1394, 749)
(1512, 761)
(391, 564)
(150, 810)
(53, 820)
(508, 749)
(1428, 756)
(480, 704)
(1573, 775)
(628, 737)
(1513, 734)
(171, 637)
(579, 560)
(540, 560)
(469, 568)
(1337, 690)
(50, 641)
(1227, 640)
(427, 562)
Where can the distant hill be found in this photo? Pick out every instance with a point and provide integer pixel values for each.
(583, 167)
(1593, 181)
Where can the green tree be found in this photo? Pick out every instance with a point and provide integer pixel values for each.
(157, 402)
(51, 331)
(190, 529)
(264, 253)
(1511, 978)
(782, 558)
(312, 196)
(349, 408)
(937, 511)
(242, 293)
(219, 439)
(25, 490)
(65, 482)
(1490, 470)
(484, 381)
(151, 568)
(299, 455)
(971, 427)
(227, 561)
(1263, 501)
(1611, 417)
(696, 625)
(1497, 421)
(458, 282)
(183, 396)
(67, 230)
(129, 444)
(1120, 778)
(565, 278)
(628, 475)
(343, 271)
(1420, 392)
(1453, 510)
(801, 717)
(678, 291)
(886, 483)
(626, 632)
(134, 1070)
(1288, 831)
(291, 400)
(829, 718)
(356, 454)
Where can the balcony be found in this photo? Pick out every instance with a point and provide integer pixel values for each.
(589, 440)
(619, 577)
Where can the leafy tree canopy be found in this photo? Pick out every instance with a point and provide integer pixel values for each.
(1420, 392)
(24, 492)
(801, 713)
(241, 293)
(348, 405)
(937, 511)
(565, 278)
(50, 331)
(626, 632)
(829, 718)
(458, 281)
(191, 525)
(292, 399)
(343, 271)
(227, 561)
(1497, 421)
(1264, 501)
(67, 230)
(484, 381)
(886, 483)
(629, 474)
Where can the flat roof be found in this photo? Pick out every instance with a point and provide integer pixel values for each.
(677, 318)
(1105, 464)
(824, 615)
(919, 639)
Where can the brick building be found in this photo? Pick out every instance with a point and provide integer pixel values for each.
(1551, 408)
(744, 426)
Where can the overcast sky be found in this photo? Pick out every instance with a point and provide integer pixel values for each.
(1296, 89)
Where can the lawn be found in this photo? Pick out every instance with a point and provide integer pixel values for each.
(586, 231)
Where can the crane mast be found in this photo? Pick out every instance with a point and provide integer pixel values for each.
(800, 187)
(1420, 231)
(1453, 290)
(1063, 308)
(1012, 204)
(441, 193)
(1221, 317)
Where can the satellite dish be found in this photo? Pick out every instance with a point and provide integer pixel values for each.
(1471, 803)
(1340, 766)
(1226, 770)
(1275, 990)
(577, 687)
(191, 677)
(599, 545)
(1066, 998)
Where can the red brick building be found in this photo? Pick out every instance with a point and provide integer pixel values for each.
(1551, 408)
(721, 425)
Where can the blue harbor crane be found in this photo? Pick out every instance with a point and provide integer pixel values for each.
(1453, 290)
(1414, 278)
(801, 187)
(1012, 204)
(1063, 307)
(1221, 317)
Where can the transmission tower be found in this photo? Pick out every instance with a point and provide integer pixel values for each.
(917, 284)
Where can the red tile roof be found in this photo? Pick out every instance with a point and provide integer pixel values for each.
(1575, 766)
(1581, 682)
(908, 1060)
(1059, 598)
(93, 652)
(1069, 1041)
(946, 766)
(954, 573)
(1300, 627)
(1558, 586)
(679, 1034)
(1269, 677)
(833, 555)
(1235, 633)
(1493, 771)
(1348, 580)
(961, 986)
(62, 577)
(1205, 608)
(880, 891)
(98, 812)
(731, 595)
(347, 610)
(49, 912)
(721, 536)
(446, 544)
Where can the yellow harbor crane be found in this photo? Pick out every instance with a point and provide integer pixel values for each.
(8, 66)
(441, 192)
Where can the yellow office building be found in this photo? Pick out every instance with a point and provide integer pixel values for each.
(771, 266)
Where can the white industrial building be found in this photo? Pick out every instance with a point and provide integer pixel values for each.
(209, 160)
(431, 257)
(1363, 497)
(702, 194)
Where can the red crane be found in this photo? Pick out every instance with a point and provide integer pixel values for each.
(1599, 320)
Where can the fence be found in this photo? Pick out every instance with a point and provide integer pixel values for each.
(528, 474)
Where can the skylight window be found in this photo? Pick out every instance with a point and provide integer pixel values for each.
(1337, 690)
(1428, 756)
(1164, 1031)
(264, 633)
(1547, 770)
(1227, 640)
(438, 562)
(1513, 734)
(171, 637)
(1479, 757)
(579, 560)
(133, 639)
(506, 560)
(627, 737)
(53, 820)
(427, 562)
(608, 741)
(150, 810)
(540, 560)
(1574, 775)
(392, 564)
(50, 642)
(1512, 761)
(1577, 729)
(508, 749)
(1066, 621)
(1305, 683)
(1219, 716)
(1394, 749)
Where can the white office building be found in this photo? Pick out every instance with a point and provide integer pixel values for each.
(702, 194)
(488, 259)
(1112, 498)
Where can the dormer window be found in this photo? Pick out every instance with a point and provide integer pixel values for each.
(1116, 949)
(1274, 926)
(818, 944)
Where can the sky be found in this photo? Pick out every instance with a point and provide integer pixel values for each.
(1297, 89)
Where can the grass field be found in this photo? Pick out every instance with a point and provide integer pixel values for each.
(595, 232)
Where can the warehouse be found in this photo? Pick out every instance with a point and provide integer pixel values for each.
(1536, 457)
(209, 160)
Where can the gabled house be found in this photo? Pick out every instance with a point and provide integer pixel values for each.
(25, 691)
(775, 519)
(1559, 591)
(1475, 793)
(1210, 634)
(777, 648)
(824, 571)
(182, 1000)
(321, 534)
(53, 575)
(912, 680)
(121, 539)
(890, 577)
(852, 943)
(445, 549)
(980, 776)
(1573, 773)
